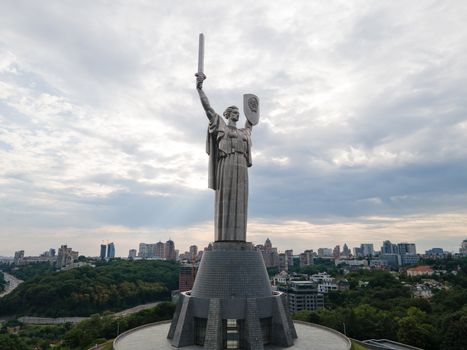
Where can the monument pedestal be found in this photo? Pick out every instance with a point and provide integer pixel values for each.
(232, 305)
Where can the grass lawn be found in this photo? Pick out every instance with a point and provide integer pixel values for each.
(108, 345)
(356, 346)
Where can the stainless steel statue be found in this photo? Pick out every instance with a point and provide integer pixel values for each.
(229, 150)
(231, 304)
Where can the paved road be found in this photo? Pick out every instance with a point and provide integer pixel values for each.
(47, 320)
(62, 320)
(136, 309)
(13, 283)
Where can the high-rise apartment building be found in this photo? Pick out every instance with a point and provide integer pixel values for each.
(367, 249)
(406, 248)
(324, 252)
(345, 250)
(48, 253)
(306, 258)
(111, 250)
(283, 266)
(389, 248)
(193, 252)
(147, 250)
(170, 250)
(19, 257)
(103, 251)
(463, 248)
(289, 256)
(270, 255)
(65, 256)
(159, 250)
(336, 252)
(357, 252)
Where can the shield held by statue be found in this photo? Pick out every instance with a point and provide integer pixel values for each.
(251, 108)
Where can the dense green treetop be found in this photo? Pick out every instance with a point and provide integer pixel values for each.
(85, 333)
(112, 285)
(12, 342)
(386, 308)
(95, 330)
(29, 271)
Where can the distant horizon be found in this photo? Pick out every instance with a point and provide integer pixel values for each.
(181, 251)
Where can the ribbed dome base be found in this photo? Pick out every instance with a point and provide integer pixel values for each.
(232, 303)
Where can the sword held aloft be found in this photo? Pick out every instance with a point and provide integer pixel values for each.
(201, 54)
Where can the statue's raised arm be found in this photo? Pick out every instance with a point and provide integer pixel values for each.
(200, 77)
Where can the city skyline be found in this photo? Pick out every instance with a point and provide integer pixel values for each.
(376, 246)
(362, 136)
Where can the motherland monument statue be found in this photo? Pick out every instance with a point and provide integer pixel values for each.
(229, 150)
(231, 304)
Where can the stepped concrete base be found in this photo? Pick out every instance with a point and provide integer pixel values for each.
(232, 304)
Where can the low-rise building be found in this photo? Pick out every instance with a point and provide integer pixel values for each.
(421, 290)
(435, 252)
(132, 254)
(420, 271)
(379, 264)
(351, 264)
(324, 281)
(391, 259)
(410, 259)
(280, 278)
(303, 295)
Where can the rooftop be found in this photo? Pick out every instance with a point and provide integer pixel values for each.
(423, 268)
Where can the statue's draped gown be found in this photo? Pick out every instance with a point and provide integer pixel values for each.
(229, 149)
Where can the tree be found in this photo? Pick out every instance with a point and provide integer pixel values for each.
(415, 330)
(454, 331)
(12, 342)
(83, 291)
(302, 315)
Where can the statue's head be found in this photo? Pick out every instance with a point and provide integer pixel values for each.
(232, 113)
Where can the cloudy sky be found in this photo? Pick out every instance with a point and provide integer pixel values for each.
(362, 136)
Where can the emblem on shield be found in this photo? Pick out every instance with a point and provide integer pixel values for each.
(251, 108)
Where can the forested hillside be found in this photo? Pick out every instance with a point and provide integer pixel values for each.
(113, 286)
(386, 308)
(95, 330)
(27, 272)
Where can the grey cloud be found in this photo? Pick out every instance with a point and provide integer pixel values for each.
(332, 78)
